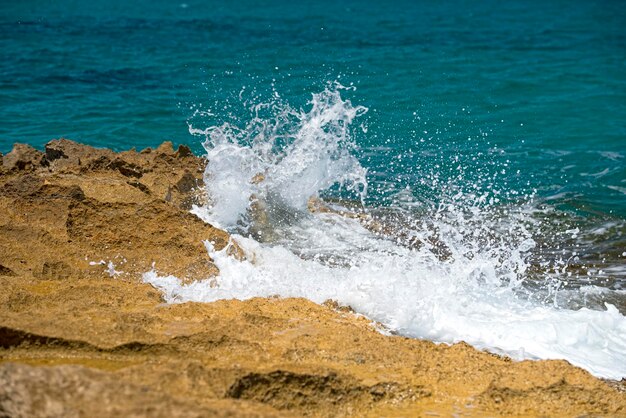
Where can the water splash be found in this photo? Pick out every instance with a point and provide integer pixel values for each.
(281, 161)
(454, 269)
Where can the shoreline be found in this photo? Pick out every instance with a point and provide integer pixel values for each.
(83, 224)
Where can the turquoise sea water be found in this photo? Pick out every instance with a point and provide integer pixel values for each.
(545, 80)
(520, 102)
(541, 84)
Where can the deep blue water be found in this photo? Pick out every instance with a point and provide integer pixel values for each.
(532, 91)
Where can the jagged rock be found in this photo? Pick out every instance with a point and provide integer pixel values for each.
(63, 154)
(23, 157)
(186, 183)
(66, 149)
(75, 239)
(127, 169)
(88, 206)
(22, 185)
(166, 148)
(183, 151)
(140, 186)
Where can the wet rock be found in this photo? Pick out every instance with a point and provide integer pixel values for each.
(258, 178)
(188, 190)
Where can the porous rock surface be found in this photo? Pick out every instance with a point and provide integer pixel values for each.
(82, 336)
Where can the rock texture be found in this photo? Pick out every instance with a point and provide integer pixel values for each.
(81, 335)
(77, 210)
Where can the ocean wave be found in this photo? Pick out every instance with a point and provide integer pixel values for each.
(462, 268)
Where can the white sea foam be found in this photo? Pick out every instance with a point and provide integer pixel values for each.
(618, 189)
(474, 292)
(298, 153)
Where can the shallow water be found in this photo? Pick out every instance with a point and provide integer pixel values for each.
(485, 143)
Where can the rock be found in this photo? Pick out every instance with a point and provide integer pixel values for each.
(23, 157)
(63, 154)
(75, 391)
(268, 356)
(101, 162)
(82, 335)
(140, 186)
(63, 148)
(56, 270)
(258, 178)
(23, 185)
(186, 183)
(5, 271)
(183, 151)
(89, 206)
(166, 148)
(127, 169)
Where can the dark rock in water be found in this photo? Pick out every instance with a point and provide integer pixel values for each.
(23, 157)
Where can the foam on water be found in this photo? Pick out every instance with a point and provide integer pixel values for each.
(259, 179)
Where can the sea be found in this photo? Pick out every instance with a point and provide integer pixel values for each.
(452, 170)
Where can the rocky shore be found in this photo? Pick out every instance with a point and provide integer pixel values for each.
(82, 335)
